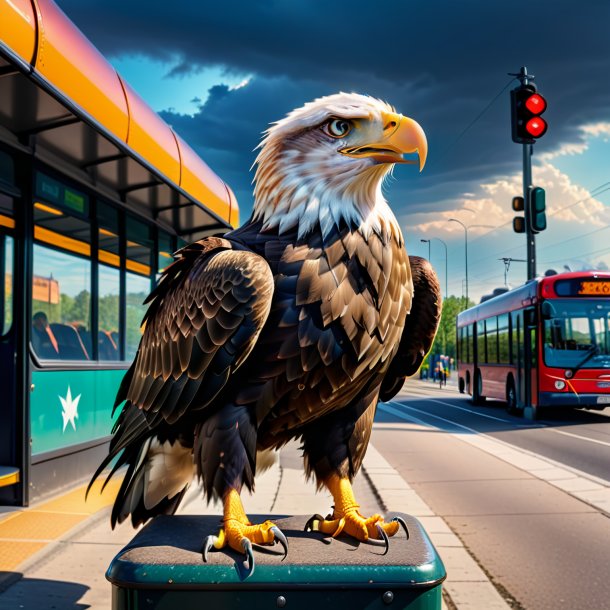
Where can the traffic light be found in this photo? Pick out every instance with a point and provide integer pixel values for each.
(537, 207)
(526, 107)
(518, 221)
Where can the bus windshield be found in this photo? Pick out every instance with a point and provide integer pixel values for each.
(577, 333)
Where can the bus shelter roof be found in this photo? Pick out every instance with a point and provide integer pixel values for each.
(63, 101)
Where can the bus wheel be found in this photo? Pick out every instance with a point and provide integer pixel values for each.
(477, 396)
(511, 397)
(461, 385)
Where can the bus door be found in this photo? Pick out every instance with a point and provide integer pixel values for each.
(524, 354)
(518, 356)
(526, 357)
(530, 365)
(10, 474)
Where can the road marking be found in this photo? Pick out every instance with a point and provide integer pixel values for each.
(584, 438)
(442, 402)
(449, 421)
(589, 489)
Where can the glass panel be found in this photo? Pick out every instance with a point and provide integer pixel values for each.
(109, 283)
(139, 247)
(165, 255)
(108, 339)
(481, 356)
(61, 304)
(492, 340)
(577, 334)
(7, 168)
(57, 193)
(138, 282)
(138, 288)
(7, 248)
(108, 235)
(6, 283)
(503, 339)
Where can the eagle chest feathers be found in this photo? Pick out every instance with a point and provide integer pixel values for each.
(336, 320)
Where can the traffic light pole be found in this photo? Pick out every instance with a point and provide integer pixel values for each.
(525, 78)
(529, 233)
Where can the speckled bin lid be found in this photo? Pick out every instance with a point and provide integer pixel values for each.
(167, 554)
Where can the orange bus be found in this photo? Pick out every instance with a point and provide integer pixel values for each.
(544, 344)
(96, 193)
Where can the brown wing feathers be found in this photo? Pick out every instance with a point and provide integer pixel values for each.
(202, 323)
(420, 328)
(202, 329)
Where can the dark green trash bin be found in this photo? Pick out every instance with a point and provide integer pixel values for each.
(162, 569)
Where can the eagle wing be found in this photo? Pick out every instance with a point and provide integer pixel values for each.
(420, 328)
(204, 319)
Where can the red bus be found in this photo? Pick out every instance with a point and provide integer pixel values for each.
(544, 344)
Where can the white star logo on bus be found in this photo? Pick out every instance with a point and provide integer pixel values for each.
(70, 409)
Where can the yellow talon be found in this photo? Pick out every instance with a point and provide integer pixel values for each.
(346, 516)
(238, 533)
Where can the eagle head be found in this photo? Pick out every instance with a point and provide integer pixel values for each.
(324, 165)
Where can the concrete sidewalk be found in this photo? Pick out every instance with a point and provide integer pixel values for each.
(69, 573)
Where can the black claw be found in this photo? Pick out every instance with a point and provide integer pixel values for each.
(384, 537)
(402, 522)
(208, 543)
(309, 526)
(281, 539)
(249, 563)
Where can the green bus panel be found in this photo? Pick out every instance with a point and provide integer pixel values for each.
(162, 569)
(71, 407)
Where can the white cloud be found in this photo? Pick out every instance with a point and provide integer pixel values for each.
(596, 130)
(566, 203)
(587, 132)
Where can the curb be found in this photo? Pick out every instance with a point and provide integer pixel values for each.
(467, 586)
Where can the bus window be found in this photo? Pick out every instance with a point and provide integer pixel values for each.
(137, 281)
(481, 349)
(491, 332)
(503, 339)
(61, 290)
(109, 283)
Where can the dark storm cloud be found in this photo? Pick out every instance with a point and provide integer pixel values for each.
(440, 63)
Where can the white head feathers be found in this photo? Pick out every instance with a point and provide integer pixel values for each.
(303, 180)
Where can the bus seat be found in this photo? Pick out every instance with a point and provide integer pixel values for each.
(44, 342)
(85, 337)
(107, 348)
(70, 345)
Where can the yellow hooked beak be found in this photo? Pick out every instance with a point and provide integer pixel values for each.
(401, 136)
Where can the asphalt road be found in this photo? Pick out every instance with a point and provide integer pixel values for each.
(542, 547)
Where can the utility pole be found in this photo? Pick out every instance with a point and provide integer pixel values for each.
(507, 261)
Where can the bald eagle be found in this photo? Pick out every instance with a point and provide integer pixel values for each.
(293, 326)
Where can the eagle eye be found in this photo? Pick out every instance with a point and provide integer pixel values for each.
(338, 128)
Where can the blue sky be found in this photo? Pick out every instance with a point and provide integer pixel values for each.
(219, 73)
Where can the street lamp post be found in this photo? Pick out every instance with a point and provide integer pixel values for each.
(465, 249)
(466, 243)
(446, 259)
(427, 241)
(446, 263)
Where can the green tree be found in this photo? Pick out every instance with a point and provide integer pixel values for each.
(444, 343)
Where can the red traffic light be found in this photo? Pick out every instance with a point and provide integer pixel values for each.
(526, 107)
(536, 127)
(536, 104)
